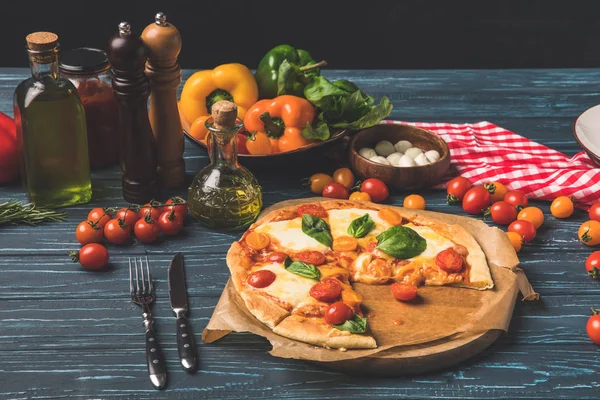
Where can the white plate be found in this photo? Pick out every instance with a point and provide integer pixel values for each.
(587, 132)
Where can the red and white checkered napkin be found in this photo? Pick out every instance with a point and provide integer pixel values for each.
(484, 152)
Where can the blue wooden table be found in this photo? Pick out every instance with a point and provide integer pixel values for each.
(71, 334)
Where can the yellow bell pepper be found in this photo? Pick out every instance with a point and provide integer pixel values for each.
(233, 82)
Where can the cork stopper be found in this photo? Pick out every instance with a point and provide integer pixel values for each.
(42, 46)
(224, 114)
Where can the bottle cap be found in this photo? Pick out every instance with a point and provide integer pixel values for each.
(42, 46)
(83, 61)
(224, 114)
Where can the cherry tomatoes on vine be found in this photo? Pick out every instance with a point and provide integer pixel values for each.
(178, 204)
(99, 216)
(88, 232)
(146, 231)
(128, 215)
(152, 209)
(117, 231)
(170, 222)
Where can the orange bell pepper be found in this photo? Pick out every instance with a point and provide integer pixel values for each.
(281, 120)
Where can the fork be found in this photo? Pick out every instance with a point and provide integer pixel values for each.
(143, 294)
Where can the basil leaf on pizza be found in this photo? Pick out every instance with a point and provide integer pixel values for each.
(401, 242)
(356, 324)
(361, 226)
(317, 229)
(306, 270)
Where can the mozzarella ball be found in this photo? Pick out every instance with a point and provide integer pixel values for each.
(367, 152)
(421, 159)
(380, 160)
(406, 161)
(413, 152)
(432, 156)
(384, 148)
(394, 158)
(402, 146)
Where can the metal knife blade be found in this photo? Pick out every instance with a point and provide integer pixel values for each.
(177, 289)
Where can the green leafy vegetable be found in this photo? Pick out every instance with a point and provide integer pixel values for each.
(401, 242)
(356, 324)
(361, 226)
(317, 229)
(290, 79)
(305, 270)
(287, 262)
(319, 132)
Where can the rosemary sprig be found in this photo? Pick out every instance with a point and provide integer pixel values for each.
(16, 213)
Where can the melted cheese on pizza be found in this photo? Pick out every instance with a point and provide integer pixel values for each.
(289, 236)
(435, 242)
(339, 221)
(288, 287)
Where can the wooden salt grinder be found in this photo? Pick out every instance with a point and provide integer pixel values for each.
(127, 56)
(163, 43)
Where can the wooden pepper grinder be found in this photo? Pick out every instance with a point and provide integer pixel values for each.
(127, 57)
(163, 43)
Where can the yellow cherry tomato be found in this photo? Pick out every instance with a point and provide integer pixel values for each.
(414, 201)
(390, 216)
(562, 207)
(533, 215)
(516, 240)
(360, 196)
(257, 241)
(198, 130)
(344, 176)
(344, 243)
(589, 233)
(497, 190)
(318, 181)
(259, 143)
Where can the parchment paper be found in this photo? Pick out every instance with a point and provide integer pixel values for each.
(441, 313)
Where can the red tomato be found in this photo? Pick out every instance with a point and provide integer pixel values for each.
(117, 231)
(516, 198)
(88, 232)
(312, 209)
(99, 216)
(593, 327)
(592, 265)
(9, 160)
(476, 200)
(261, 278)
(403, 291)
(311, 257)
(524, 228)
(146, 231)
(449, 260)
(277, 256)
(170, 222)
(594, 212)
(241, 142)
(457, 188)
(327, 290)
(338, 313)
(376, 189)
(91, 256)
(180, 206)
(503, 213)
(128, 215)
(335, 190)
(154, 211)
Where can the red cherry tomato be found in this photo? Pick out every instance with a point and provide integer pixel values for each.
(87, 232)
(338, 313)
(594, 212)
(117, 231)
(476, 200)
(327, 290)
(242, 149)
(311, 257)
(376, 189)
(335, 190)
(593, 327)
(503, 213)
(145, 231)
(277, 256)
(153, 210)
(403, 291)
(449, 260)
(516, 198)
(170, 223)
(457, 188)
(99, 216)
(524, 228)
(128, 215)
(261, 278)
(312, 209)
(91, 256)
(180, 206)
(592, 265)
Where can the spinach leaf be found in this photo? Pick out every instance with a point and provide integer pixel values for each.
(401, 242)
(290, 79)
(317, 229)
(287, 262)
(356, 324)
(305, 270)
(319, 132)
(373, 117)
(320, 92)
(361, 226)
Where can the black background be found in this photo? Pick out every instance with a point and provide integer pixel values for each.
(348, 34)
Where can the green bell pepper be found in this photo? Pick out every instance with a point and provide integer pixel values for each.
(267, 73)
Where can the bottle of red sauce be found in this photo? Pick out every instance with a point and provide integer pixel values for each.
(89, 71)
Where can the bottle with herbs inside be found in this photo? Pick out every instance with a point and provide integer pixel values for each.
(88, 69)
(224, 195)
(51, 130)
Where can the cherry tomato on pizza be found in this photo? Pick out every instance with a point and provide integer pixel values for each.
(261, 278)
(312, 209)
(390, 216)
(594, 212)
(88, 232)
(497, 190)
(449, 260)
(403, 291)
(457, 188)
(328, 290)
(277, 256)
(589, 233)
(593, 327)
(525, 229)
(335, 190)
(533, 215)
(313, 257)
(344, 243)
(476, 200)
(502, 213)
(376, 189)
(338, 313)
(415, 202)
(592, 265)
(517, 198)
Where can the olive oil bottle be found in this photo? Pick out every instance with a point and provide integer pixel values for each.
(51, 130)
(224, 195)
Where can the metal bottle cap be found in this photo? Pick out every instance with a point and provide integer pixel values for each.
(124, 29)
(160, 18)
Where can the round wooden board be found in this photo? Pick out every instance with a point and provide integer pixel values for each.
(408, 360)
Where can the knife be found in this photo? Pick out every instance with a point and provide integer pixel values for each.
(179, 304)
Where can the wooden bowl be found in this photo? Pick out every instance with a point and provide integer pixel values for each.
(400, 177)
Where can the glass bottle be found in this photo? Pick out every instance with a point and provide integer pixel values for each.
(51, 130)
(224, 195)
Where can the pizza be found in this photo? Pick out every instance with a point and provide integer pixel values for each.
(294, 268)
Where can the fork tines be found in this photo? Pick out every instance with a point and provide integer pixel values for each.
(146, 288)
